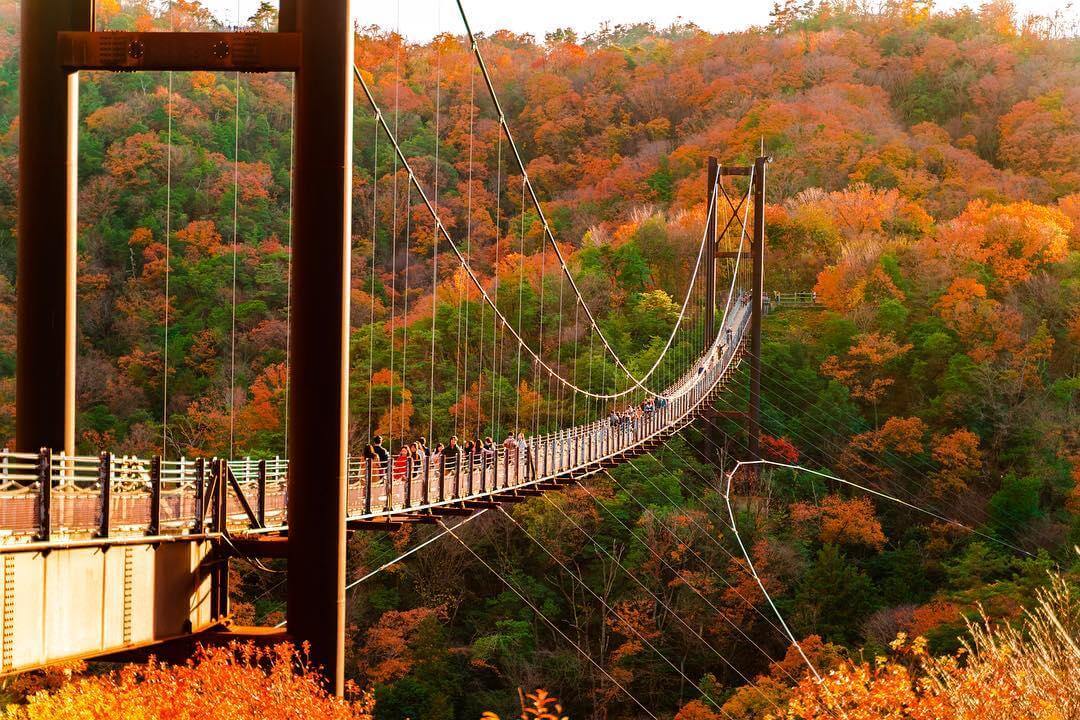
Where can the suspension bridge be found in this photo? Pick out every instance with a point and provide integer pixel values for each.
(109, 554)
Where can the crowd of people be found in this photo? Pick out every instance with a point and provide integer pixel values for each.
(416, 454)
(628, 418)
(413, 456)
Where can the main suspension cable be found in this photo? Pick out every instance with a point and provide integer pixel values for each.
(638, 383)
(445, 236)
(435, 240)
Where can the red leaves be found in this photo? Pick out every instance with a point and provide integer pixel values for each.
(779, 450)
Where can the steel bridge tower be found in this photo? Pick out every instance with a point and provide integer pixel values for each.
(315, 41)
(756, 257)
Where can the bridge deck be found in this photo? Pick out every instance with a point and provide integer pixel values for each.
(110, 499)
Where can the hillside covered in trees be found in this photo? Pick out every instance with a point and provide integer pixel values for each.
(925, 184)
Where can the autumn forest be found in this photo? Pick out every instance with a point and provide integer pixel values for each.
(925, 187)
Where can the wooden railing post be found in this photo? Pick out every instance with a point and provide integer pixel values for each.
(426, 479)
(442, 475)
(367, 485)
(469, 480)
(388, 480)
(506, 467)
(221, 496)
(261, 512)
(200, 491)
(44, 494)
(483, 471)
(105, 484)
(457, 471)
(154, 527)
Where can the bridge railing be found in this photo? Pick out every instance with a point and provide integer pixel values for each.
(48, 495)
(806, 298)
(409, 485)
(20, 475)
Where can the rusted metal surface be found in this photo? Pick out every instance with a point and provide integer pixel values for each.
(133, 595)
(319, 332)
(260, 546)
(47, 227)
(181, 51)
(709, 266)
(182, 647)
(757, 249)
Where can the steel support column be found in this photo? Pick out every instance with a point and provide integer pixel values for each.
(757, 308)
(709, 267)
(319, 342)
(48, 215)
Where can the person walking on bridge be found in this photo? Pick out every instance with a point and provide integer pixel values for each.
(381, 458)
(401, 466)
(511, 449)
(453, 452)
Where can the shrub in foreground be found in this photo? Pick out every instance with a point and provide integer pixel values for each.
(239, 682)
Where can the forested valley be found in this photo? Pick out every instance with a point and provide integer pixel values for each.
(925, 186)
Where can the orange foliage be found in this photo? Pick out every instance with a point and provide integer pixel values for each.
(633, 620)
(862, 371)
(1006, 673)
(1070, 205)
(1073, 502)
(468, 411)
(1016, 239)
(265, 410)
(848, 285)
(139, 151)
(537, 705)
(530, 402)
(1042, 137)
(386, 654)
(930, 616)
(770, 690)
(1011, 240)
(140, 237)
(697, 710)
(239, 682)
(842, 522)
(983, 324)
(201, 239)
(959, 460)
(899, 435)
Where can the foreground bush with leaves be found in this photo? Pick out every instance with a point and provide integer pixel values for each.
(1005, 673)
(238, 682)
(538, 705)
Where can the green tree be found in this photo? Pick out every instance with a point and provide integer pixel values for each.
(834, 597)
